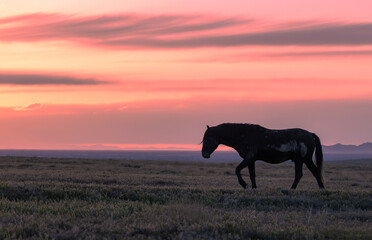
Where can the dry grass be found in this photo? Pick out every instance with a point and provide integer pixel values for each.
(43, 198)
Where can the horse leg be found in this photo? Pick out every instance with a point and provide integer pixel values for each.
(298, 172)
(238, 169)
(252, 173)
(313, 169)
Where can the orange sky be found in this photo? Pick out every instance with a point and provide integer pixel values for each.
(140, 74)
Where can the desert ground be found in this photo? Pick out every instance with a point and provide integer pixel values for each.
(51, 198)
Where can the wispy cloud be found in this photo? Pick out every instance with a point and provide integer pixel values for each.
(323, 53)
(234, 85)
(30, 107)
(36, 79)
(337, 35)
(178, 31)
(100, 29)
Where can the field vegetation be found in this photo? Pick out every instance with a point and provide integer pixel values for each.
(45, 198)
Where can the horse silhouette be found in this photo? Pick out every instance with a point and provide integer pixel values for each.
(254, 142)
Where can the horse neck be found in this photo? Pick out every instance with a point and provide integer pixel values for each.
(227, 138)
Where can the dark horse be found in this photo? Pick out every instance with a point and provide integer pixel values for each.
(254, 142)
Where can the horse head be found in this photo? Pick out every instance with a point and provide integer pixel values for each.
(210, 142)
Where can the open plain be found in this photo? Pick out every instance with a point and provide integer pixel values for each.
(55, 198)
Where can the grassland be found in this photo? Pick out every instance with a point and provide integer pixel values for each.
(44, 198)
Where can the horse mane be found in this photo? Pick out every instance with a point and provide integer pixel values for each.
(234, 129)
(231, 130)
(238, 127)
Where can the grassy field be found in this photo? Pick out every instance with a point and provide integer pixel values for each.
(44, 198)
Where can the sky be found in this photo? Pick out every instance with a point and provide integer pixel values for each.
(141, 74)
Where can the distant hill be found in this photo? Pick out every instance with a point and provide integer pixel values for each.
(340, 148)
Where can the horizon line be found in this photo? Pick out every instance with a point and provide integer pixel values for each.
(140, 147)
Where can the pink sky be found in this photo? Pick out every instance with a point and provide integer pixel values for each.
(144, 75)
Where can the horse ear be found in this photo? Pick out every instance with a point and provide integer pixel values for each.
(207, 127)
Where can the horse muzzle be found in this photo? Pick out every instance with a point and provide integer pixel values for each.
(206, 155)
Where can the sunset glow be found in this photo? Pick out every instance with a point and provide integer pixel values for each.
(152, 75)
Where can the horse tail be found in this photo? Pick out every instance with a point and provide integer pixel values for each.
(318, 155)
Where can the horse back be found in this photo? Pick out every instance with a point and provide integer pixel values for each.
(276, 146)
(286, 135)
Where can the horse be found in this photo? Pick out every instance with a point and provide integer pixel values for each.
(254, 142)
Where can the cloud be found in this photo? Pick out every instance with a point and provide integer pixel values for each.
(36, 79)
(337, 35)
(30, 107)
(323, 53)
(238, 85)
(178, 31)
(38, 27)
